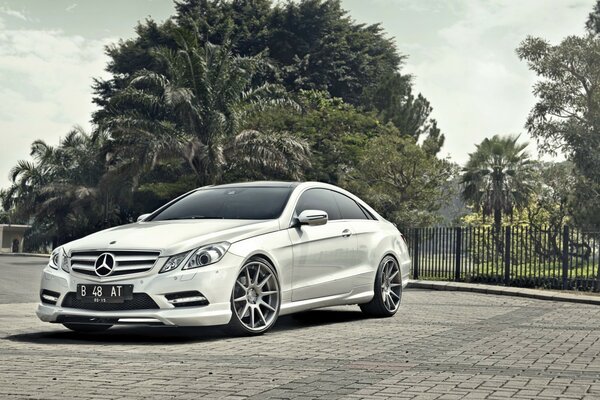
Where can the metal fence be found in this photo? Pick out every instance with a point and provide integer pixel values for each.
(525, 256)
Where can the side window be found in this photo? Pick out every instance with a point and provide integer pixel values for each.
(367, 213)
(318, 199)
(348, 207)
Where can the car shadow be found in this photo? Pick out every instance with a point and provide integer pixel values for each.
(144, 335)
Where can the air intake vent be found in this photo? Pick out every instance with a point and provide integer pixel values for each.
(140, 301)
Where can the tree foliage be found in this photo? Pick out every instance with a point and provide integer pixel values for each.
(236, 90)
(198, 109)
(498, 177)
(552, 200)
(567, 114)
(61, 191)
(401, 180)
(393, 100)
(311, 45)
(593, 22)
(336, 132)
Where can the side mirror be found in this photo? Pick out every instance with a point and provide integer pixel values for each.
(312, 217)
(142, 217)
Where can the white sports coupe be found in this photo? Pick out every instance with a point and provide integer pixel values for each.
(238, 255)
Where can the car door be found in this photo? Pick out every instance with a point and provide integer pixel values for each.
(365, 229)
(321, 254)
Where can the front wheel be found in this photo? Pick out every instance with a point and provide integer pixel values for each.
(387, 288)
(255, 298)
(87, 328)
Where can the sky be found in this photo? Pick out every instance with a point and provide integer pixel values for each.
(461, 54)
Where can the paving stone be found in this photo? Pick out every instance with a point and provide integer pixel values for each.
(441, 345)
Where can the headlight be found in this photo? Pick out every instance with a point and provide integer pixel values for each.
(64, 264)
(173, 262)
(207, 255)
(54, 261)
(59, 258)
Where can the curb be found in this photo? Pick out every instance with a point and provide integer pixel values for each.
(505, 291)
(24, 255)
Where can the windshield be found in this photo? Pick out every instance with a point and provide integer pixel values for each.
(228, 203)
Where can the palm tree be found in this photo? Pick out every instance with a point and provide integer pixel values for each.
(60, 190)
(497, 179)
(198, 109)
(28, 178)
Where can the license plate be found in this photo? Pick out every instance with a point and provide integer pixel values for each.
(104, 293)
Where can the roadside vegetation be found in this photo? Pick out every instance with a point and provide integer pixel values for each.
(239, 90)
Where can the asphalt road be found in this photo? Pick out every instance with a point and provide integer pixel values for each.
(440, 345)
(20, 278)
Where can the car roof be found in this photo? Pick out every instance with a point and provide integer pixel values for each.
(276, 184)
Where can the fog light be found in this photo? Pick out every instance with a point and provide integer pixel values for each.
(49, 297)
(52, 299)
(187, 299)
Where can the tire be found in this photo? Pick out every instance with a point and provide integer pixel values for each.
(255, 299)
(87, 328)
(387, 290)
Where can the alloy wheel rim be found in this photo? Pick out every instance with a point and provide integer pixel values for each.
(256, 296)
(391, 284)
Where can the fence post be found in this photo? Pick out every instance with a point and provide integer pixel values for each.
(507, 236)
(416, 255)
(565, 257)
(458, 252)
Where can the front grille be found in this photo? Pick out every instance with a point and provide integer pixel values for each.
(127, 262)
(140, 301)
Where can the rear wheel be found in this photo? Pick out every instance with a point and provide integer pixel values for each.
(387, 288)
(87, 328)
(255, 298)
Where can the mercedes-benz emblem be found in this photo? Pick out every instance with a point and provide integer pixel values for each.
(104, 265)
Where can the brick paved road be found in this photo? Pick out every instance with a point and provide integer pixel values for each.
(441, 345)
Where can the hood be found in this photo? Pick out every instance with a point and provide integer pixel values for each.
(172, 237)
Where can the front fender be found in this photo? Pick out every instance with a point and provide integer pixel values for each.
(277, 248)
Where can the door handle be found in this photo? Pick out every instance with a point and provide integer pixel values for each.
(346, 233)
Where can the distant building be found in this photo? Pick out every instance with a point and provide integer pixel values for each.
(12, 237)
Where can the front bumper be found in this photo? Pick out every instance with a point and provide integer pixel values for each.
(215, 282)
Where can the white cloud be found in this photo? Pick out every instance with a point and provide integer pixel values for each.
(472, 75)
(45, 79)
(13, 13)
(71, 7)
